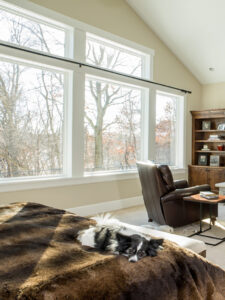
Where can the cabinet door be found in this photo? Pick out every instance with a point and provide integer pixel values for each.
(216, 176)
(198, 176)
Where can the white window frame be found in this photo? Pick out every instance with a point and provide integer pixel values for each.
(180, 127)
(9, 6)
(74, 105)
(20, 58)
(145, 57)
(144, 119)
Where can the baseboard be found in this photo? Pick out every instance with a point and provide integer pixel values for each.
(102, 207)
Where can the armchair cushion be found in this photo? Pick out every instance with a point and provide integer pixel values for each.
(167, 177)
(180, 193)
(181, 184)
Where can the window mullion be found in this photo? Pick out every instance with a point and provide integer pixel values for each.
(178, 130)
(79, 45)
(69, 43)
(185, 110)
(181, 127)
(145, 99)
(77, 121)
(66, 125)
(152, 124)
(77, 110)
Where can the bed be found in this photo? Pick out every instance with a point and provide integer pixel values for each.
(41, 259)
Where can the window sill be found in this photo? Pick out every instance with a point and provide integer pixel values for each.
(60, 181)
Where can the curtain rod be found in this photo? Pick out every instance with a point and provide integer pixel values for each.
(64, 59)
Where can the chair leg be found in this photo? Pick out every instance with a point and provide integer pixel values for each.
(213, 220)
(150, 220)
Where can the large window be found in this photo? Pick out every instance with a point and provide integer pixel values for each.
(113, 110)
(112, 125)
(169, 129)
(59, 119)
(31, 120)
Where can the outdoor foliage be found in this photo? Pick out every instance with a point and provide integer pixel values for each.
(31, 107)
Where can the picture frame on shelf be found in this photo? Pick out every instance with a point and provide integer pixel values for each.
(202, 159)
(214, 160)
(206, 125)
(221, 126)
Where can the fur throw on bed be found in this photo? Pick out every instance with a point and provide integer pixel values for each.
(40, 258)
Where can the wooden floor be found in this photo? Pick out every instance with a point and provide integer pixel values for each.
(137, 216)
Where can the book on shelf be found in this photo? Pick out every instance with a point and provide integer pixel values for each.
(208, 195)
(214, 137)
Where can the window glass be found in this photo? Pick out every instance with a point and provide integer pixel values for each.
(112, 126)
(29, 33)
(166, 128)
(105, 54)
(31, 121)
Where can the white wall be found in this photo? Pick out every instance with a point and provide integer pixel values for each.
(213, 96)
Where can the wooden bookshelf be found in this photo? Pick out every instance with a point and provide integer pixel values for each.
(199, 174)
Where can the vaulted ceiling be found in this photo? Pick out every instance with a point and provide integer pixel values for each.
(194, 30)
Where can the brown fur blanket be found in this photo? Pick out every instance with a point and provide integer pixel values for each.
(41, 259)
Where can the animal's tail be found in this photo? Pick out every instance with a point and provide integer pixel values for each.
(108, 220)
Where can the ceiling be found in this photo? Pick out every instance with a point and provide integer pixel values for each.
(194, 30)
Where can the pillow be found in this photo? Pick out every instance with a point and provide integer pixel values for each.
(167, 177)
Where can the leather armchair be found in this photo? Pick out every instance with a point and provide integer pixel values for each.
(163, 196)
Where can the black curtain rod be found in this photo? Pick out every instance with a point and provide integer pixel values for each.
(91, 66)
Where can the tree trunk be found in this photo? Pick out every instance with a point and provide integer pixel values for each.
(98, 149)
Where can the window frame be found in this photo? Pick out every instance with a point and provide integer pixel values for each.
(9, 6)
(181, 108)
(145, 57)
(74, 105)
(144, 120)
(21, 60)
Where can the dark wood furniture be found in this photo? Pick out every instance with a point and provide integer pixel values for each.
(163, 197)
(202, 201)
(207, 174)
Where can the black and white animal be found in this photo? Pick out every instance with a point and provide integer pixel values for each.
(117, 239)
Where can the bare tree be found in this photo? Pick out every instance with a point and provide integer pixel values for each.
(9, 94)
(30, 120)
(165, 129)
(105, 96)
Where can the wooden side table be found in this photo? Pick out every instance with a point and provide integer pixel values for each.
(201, 201)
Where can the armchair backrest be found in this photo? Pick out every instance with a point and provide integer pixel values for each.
(152, 189)
(167, 178)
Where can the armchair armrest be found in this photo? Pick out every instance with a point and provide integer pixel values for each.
(180, 184)
(180, 193)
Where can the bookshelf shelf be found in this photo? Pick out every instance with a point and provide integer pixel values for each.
(210, 141)
(210, 151)
(211, 130)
